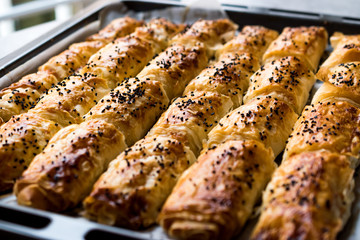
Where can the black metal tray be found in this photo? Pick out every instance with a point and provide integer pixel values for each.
(18, 222)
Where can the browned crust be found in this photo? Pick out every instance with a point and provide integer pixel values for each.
(307, 43)
(229, 77)
(214, 198)
(345, 81)
(24, 94)
(72, 98)
(116, 28)
(146, 96)
(132, 108)
(253, 40)
(141, 178)
(190, 117)
(328, 125)
(131, 192)
(265, 119)
(135, 105)
(20, 139)
(176, 66)
(287, 79)
(21, 96)
(213, 33)
(346, 49)
(309, 197)
(63, 174)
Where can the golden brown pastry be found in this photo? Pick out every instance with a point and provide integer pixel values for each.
(338, 39)
(327, 125)
(131, 192)
(69, 61)
(125, 57)
(264, 119)
(131, 109)
(234, 170)
(237, 166)
(19, 97)
(328, 92)
(68, 101)
(18, 147)
(240, 58)
(111, 65)
(136, 184)
(150, 168)
(344, 81)
(287, 79)
(305, 43)
(136, 104)
(48, 183)
(227, 77)
(346, 49)
(78, 54)
(191, 117)
(119, 27)
(141, 178)
(310, 194)
(22, 95)
(216, 195)
(252, 40)
(309, 197)
(212, 33)
(72, 98)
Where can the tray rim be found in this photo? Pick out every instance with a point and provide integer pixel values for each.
(59, 33)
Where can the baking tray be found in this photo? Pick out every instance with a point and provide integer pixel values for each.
(19, 222)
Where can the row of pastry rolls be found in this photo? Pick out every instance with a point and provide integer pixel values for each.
(25, 135)
(171, 71)
(20, 96)
(63, 174)
(215, 197)
(135, 186)
(311, 193)
(340, 71)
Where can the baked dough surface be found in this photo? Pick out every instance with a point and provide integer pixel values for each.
(309, 197)
(328, 125)
(215, 196)
(20, 96)
(306, 43)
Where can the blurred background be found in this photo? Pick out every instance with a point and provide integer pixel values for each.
(16, 15)
(24, 20)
